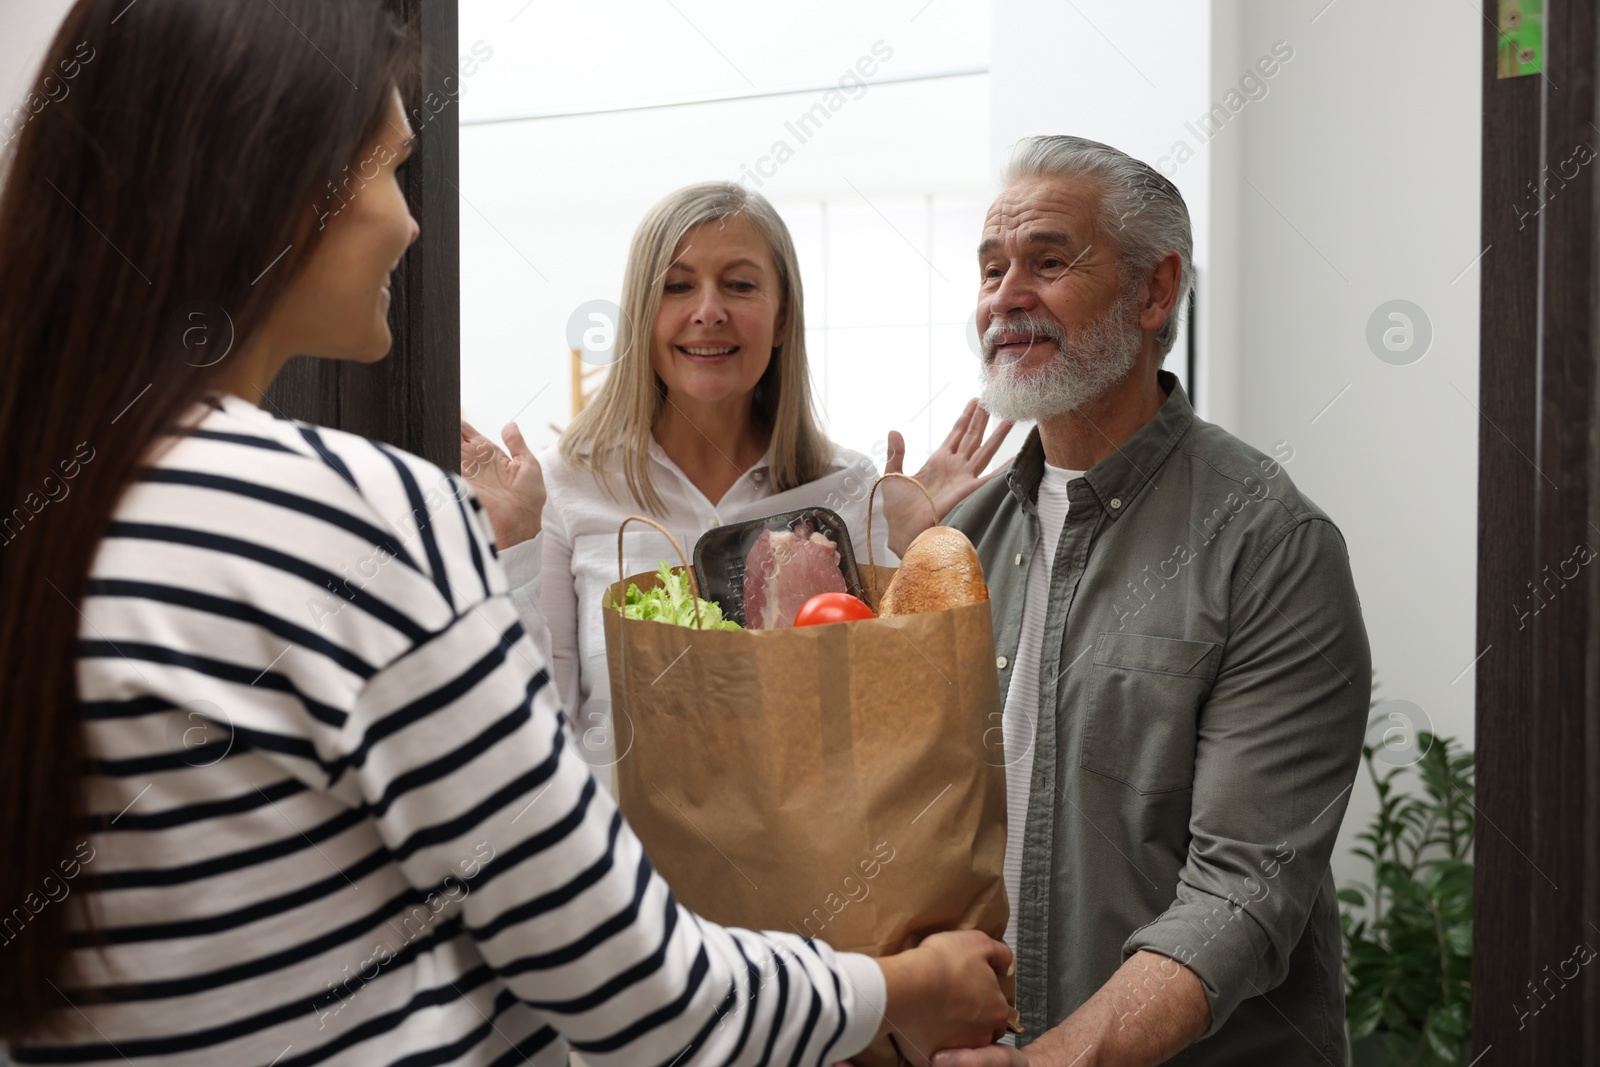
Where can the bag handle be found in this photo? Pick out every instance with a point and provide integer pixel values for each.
(870, 497)
(694, 586)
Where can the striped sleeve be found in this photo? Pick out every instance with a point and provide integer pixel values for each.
(457, 748)
(336, 819)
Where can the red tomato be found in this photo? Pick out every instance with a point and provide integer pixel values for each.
(825, 608)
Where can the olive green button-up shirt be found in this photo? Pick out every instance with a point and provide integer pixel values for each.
(1203, 693)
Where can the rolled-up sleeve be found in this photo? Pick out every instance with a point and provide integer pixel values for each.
(1279, 744)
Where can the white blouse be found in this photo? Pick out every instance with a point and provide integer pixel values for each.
(559, 578)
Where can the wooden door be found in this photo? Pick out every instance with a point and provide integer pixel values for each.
(1537, 912)
(412, 399)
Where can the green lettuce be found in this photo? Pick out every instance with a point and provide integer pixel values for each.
(673, 602)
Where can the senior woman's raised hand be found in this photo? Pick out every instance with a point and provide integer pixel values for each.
(510, 487)
(951, 474)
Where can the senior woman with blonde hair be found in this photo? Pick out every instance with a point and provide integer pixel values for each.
(706, 419)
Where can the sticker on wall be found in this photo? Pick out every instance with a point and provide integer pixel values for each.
(1521, 37)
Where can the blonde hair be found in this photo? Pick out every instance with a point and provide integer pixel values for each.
(618, 422)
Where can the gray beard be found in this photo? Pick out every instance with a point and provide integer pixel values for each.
(1087, 365)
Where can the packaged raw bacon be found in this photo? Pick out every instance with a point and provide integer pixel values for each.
(763, 570)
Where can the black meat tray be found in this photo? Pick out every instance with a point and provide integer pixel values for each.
(720, 554)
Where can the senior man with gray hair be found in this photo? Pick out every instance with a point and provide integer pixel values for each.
(1185, 668)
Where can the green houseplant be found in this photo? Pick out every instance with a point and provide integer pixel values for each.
(1408, 960)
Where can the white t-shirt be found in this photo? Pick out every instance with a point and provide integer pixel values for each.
(562, 574)
(1020, 716)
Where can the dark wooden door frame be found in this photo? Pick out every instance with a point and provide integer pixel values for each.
(412, 399)
(1538, 727)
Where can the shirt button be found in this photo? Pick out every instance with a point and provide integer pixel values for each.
(1000, 662)
(1116, 502)
(1019, 559)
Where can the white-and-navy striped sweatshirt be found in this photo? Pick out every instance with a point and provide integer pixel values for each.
(338, 817)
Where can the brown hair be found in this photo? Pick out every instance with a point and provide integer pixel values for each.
(197, 141)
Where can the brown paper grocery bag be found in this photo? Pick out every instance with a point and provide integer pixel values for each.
(842, 782)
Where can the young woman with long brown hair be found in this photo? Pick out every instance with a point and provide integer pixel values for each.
(281, 778)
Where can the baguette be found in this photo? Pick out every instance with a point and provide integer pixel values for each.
(939, 571)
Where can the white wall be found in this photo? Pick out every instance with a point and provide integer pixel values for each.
(25, 32)
(1369, 149)
(884, 201)
(1349, 180)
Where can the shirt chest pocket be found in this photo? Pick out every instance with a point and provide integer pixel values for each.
(1145, 693)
